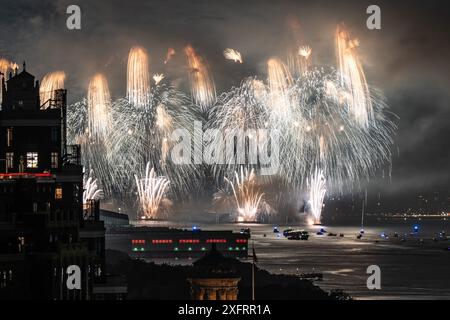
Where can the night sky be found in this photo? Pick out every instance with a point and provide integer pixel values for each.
(408, 59)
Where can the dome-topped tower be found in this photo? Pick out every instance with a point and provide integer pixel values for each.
(214, 277)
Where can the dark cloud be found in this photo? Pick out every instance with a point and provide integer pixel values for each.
(407, 59)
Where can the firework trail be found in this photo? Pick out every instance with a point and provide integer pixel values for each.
(138, 77)
(317, 190)
(305, 58)
(280, 80)
(305, 52)
(91, 189)
(158, 78)
(151, 192)
(51, 82)
(89, 125)
(352, 76)
(203, 89)
(99, 105)
(5, 66)
(169, 55)
(247, 195)
(295, 40)
(232, 54)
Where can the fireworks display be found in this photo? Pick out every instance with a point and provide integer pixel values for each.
(158, 78)
(142, 135)
(317, 190)
(241, 109)
(320, 131)
(232, 54)
(138, 77)
(5, 67)
(203, 89)
(334, 130)
(279, 80)
(305, 58)
(151, 194)
(352, 76)
(51, 82)
(91, 189)
(247, 195)
(99, 104)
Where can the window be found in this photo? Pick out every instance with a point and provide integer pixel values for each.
(54, 160)
(9, 160)
(32, 159)
(54, 135)
(58, 192)
(9, 136)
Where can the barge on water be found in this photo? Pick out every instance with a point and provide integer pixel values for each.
(165, 242)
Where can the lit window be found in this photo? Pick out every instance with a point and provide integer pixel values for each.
(32, 159)
(10, 160)
(58, 192)
(9, 136)
(54, 160)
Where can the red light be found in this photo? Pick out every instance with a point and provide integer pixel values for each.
(216, 241)
(241, 240)
(189, 241)
(161, 241)
(25, 174)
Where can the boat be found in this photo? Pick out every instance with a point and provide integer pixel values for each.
(298, 235)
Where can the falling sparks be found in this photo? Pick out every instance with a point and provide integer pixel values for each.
(304, 51)
(91, 189)
(317, 190)
(232, 54)
(305, 61)
(158, 78)
(51, 82)
(203, 89)
(247, 194)
(138, 77)
(5, 66)
(280, 80)
(99, 103)
(151, 193)
(352, 76)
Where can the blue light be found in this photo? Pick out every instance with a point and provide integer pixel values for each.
(416, 228)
